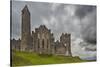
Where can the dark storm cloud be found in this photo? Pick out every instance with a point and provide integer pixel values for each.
(83, 10)
(87, 16)
(90, 49)
(88, 26)
(88, 46)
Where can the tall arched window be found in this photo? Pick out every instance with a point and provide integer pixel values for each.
(47, 44)
(43, 43)
(38, 44)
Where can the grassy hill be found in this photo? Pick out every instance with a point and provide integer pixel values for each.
(26, 58)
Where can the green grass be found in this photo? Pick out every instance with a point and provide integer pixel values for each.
(26, 58)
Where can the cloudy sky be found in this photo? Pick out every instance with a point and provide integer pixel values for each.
(78, 20)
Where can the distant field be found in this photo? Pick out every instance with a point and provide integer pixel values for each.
(26, 58)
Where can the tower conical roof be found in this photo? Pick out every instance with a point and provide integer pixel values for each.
(25, 9)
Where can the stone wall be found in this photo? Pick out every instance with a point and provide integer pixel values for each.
(15, 44)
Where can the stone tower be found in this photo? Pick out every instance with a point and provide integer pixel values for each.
(66, 42)
(25, 29)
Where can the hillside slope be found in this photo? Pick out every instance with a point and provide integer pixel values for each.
(26, 58)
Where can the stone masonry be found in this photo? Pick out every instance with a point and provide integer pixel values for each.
(26, 30)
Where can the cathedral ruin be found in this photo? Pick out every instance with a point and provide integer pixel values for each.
(41, 40)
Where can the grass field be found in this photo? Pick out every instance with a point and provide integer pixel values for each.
(26, 58)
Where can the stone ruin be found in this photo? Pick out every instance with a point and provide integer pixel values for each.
(41, 40)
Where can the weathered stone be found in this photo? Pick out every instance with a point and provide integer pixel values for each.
(25, 31)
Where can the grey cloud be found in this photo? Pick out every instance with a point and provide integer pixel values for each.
(88, 26)
(90, 49)
(87, 16)
(83, 10)
(88, 46)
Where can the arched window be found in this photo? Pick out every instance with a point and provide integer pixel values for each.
(43, 43)
(47, 44)
(38, 44)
